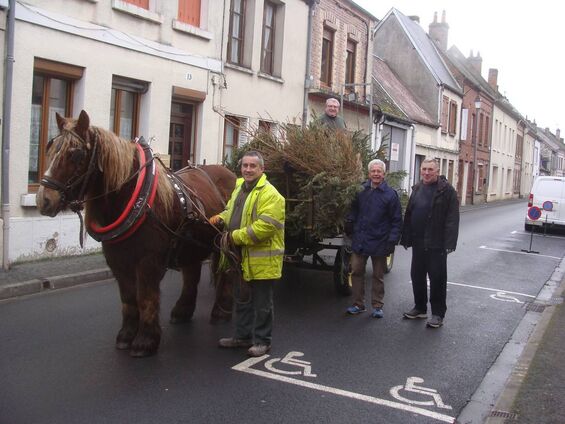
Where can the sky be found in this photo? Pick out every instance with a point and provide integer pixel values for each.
(524, 40)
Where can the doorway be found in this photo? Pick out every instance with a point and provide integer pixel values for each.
(181, 143)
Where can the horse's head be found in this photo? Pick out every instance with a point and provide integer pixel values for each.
(70, 157)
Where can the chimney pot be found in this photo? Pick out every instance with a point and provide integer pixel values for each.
(493, 78)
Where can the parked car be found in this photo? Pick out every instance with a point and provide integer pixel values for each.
(548, 194)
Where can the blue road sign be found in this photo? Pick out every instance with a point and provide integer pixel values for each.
(534, 213)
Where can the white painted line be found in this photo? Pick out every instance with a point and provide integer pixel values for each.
(520, 253)
(536, 235)
(245, 367)
(491, 289)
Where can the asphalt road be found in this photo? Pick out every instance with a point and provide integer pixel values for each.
(58, 363)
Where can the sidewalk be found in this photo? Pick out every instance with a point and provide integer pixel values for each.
(53, 273)
(533, 394)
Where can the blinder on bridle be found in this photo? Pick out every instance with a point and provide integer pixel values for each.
(77, 157)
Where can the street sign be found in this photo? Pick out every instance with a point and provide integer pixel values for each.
(534, 213)
(547, 206)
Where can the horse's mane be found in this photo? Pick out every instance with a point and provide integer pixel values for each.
(116, 159)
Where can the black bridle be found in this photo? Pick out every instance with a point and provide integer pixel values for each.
(65, 189)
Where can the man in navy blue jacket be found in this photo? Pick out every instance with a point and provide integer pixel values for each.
(374, 224)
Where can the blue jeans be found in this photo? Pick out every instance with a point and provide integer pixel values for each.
(254, 311)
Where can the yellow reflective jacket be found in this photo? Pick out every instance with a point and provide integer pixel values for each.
(261, 234)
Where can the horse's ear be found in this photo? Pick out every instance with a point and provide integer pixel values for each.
(83, 123)
(60, 121)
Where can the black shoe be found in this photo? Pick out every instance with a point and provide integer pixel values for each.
(415, 314)
(435, 321)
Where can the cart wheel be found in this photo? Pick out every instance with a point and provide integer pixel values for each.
(342, 271)
(389, 262)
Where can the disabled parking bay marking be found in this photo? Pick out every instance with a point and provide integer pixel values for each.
(519, 253)
(304, 368)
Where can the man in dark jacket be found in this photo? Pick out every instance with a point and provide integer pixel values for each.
(431, 227)
(330, 118)
(374, 224)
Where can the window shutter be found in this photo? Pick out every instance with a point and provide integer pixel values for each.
(144, 4)
(189, 12)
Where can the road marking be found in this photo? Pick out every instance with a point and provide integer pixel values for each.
(246, 365)
(537, 235)
(290, 359)
(520, 253)
(411, 387)
(491, 289)
(503, 297)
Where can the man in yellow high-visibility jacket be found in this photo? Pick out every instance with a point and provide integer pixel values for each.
(254, 216)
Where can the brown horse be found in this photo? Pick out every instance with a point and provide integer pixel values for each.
(92, 166)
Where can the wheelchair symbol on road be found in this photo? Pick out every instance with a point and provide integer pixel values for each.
(290, 359)
(411, 387)
(503, 297)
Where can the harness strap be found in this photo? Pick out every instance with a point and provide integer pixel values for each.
(141, 199)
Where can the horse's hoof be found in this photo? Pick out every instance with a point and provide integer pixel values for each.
(141, 353)
(180, 319)
(123, 345)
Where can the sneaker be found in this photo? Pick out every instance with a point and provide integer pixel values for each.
(415, 313)
(258, 350)
(232, 342)
(378, 313)
(435, 322)
(354, 310)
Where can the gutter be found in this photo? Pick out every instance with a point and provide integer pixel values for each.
(6, 114)
(308, 77)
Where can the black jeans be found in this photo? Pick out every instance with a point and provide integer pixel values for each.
(432, 263)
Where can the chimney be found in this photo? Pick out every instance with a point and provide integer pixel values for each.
(438, 31)
(476, 61)
(493, 78)
(558, 133)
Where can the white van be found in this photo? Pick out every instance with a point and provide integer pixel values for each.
(548, 194)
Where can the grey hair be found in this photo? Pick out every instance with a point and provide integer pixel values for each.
(431, 160)
(377, 162)
(334, 100)
(255, 154)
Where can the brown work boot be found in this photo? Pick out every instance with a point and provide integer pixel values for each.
(258, 350)
(231, 342)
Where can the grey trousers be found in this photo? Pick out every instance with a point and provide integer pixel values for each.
(358, 264)
(254, 311)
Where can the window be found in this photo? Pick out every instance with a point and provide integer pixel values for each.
(267, 126)
(52, 91)
(268, 38)
(452, 117)
(237, 31)
(144, 4)
(124, 106)
(487, 127)
(444, 114)
(189, 12)
(350, 62)
(481, 129)
(231, 136)
(327, 57)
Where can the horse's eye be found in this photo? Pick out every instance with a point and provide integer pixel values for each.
(77, 155)
(49, 144)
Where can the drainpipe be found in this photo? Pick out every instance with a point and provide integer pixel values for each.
(412, 174)
(369, 78)
(308, 77)
(7, 112)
